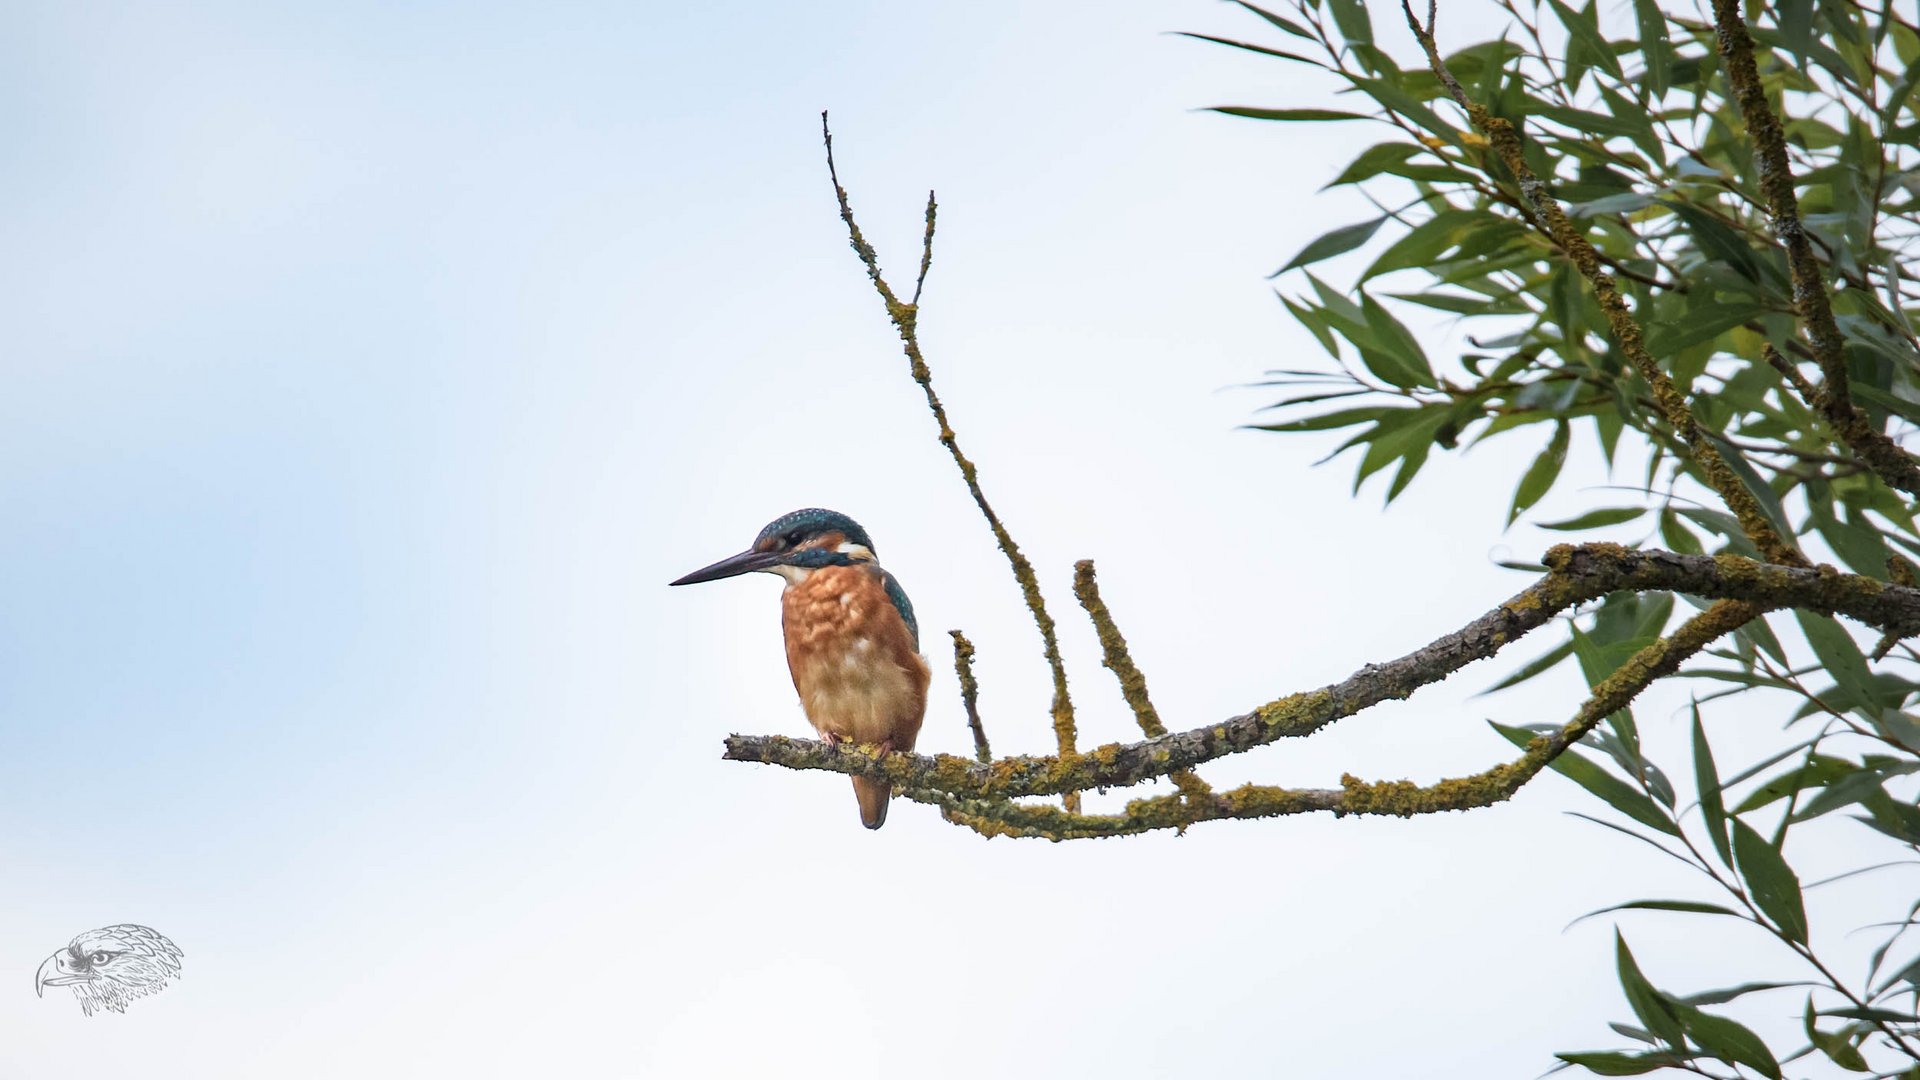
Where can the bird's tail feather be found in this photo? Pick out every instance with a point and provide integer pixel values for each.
(873, 796)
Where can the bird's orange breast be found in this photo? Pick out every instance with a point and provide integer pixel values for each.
(852, 657)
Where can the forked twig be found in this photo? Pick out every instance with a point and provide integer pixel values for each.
(904, 317)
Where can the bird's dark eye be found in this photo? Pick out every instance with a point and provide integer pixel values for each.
(793, 538)
(99, 957)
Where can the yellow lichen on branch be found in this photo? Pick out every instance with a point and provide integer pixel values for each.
(1397, 798)
(976, 793)
(1133, 684)
(970, 694)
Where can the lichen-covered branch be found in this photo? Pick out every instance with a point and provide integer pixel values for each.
(1400, 798)
(1133, 684)
(904, 315)
(970, 693)
(1672, 402)
(1900, 572)
(1833, 398)
(1575, 576)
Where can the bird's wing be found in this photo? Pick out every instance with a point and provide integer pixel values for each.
(903, 605)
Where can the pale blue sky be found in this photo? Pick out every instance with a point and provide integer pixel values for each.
(369, 370)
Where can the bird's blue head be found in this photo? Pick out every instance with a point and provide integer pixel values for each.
(800, 541)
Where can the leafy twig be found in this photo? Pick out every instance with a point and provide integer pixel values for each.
(1833, 398)
(1626, 331)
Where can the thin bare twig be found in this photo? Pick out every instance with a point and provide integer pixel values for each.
(904, 317)
(970, 693)
(926, 247)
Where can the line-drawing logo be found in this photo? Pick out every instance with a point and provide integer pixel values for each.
(111, 966)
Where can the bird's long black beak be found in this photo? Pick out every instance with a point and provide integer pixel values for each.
(744, 563)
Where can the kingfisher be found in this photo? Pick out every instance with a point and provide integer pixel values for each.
(853, 646)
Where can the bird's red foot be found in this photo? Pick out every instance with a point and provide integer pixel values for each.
(830, 739)
(884, 748)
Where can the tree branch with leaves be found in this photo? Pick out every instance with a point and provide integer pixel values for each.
(1689, 234)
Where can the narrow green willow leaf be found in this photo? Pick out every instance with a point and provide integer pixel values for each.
(1903, 88)
(1409, 467)
(1677, 536)
(1250, 47)
(1375, 160)
(1763, 638)
(1623, 203)
(1768, 762)
(1551, 660)
(1699, 325)
(1425, 242)
(1313, 399)
(1412, 433)
(1251, 112)
(1840, 655)
(1280, 21)
(1655, 1011)
(1838, 1050)
(1584, 28)
(1392, 96)
(1692, 906)
(1596, 519)
(1717, 240)
(1624, 831)
(1713, 810)
(1637, 1034)
(1587, 122)
(1655, 48)
(1770, 881)
(1796, 24)
(1337, 242)
(1655, 608)
(1857, 541)
(1890, 1016)
(1762, 492)
(1463, 305)
(1901, 407)
(1351, 17)
(1337, 419)
(1539, 477)
(1722, 996)
(1728, 1040)
(1609, 426)
(1816, 772)
(1612, 790)
(1409, 367)
(1861, 786)
(1309, 316)
(1615, 1063)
